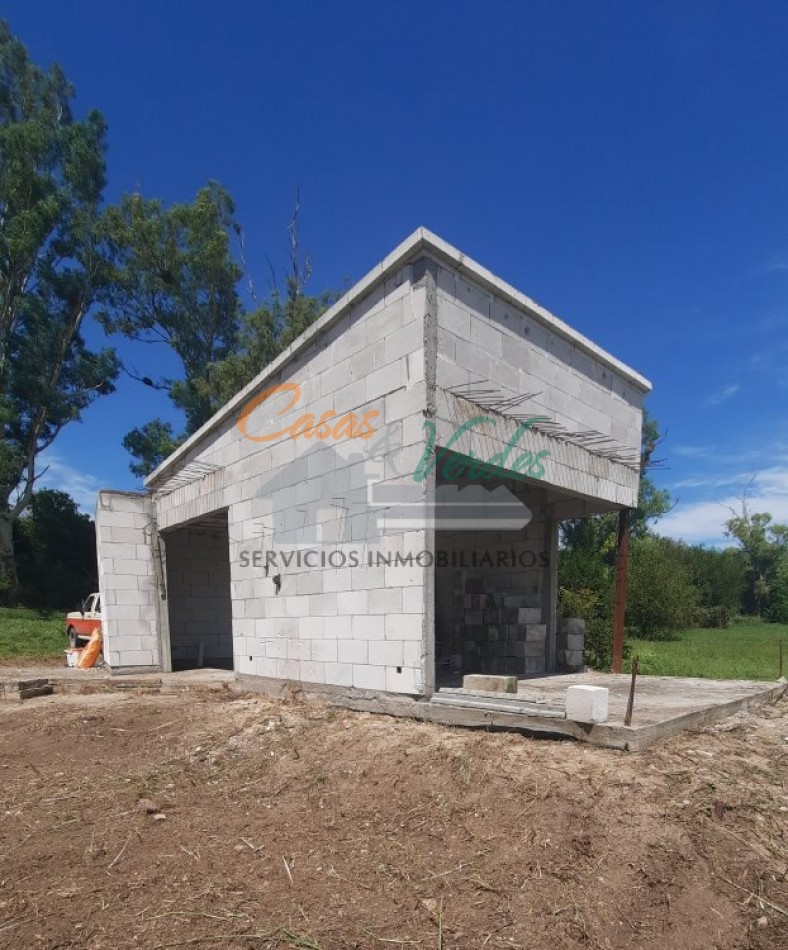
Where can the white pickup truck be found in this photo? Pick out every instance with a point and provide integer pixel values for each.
(81, 623)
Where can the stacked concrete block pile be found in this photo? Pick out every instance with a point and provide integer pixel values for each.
(502, 632)
(570, 644)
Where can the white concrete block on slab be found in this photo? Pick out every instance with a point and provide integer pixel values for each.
(587, 703)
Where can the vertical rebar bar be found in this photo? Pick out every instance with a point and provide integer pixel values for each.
(631, 703)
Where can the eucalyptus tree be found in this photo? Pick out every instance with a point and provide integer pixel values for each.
(53, 267)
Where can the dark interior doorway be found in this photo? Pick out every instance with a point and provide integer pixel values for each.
(198, 594)
(491, 561)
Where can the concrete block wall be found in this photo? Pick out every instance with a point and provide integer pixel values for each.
(485, 340)
(502, 634)
(127, 579)
(198, 595)
(358, 621)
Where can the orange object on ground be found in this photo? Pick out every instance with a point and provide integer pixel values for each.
(90, 654)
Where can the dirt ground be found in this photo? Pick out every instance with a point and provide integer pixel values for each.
(298, 825)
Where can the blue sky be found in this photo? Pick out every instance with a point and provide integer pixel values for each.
(624, 164)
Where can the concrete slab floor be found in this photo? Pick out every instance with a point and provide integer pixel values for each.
(657, 698)
(664, 706)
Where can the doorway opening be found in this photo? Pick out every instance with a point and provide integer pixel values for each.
(198, 594)
(491, 565)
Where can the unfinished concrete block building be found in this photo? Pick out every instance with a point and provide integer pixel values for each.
(379, 509)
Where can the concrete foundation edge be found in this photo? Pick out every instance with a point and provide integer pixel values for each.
(626, 738)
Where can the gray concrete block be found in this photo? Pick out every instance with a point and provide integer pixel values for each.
(575, 641)
(573, 625)
(535, 664)
(493, 684)
(570, 661)
(529, 615)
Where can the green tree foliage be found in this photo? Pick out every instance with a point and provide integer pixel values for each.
(765, 547)
(777, 610)
(53, 264)
(653, 502)
(149, 445)
(56, 551)
(586, 575)
(718, 576)
(175, 282)
(264, 332)
(661, 599)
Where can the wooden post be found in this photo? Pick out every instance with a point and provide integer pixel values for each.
(622, 562)
(549, 589)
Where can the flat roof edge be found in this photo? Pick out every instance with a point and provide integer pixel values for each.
(489, 280)
(123, 491)
(399, 256)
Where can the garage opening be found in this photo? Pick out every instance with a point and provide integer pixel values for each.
(198, 594)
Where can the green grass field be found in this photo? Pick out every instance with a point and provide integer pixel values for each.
(746, 651)
(31, 633)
